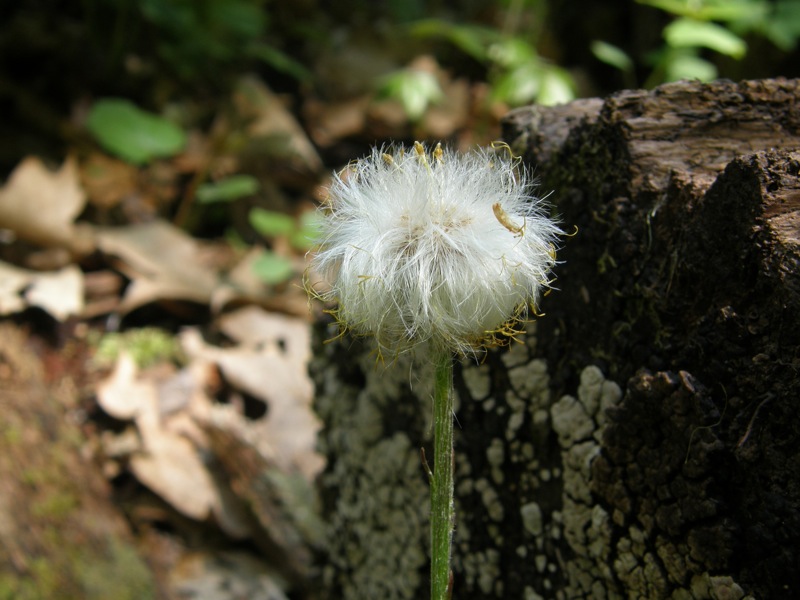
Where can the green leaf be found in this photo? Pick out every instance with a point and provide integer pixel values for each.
(689, 67)
(271, 224)
(712, 10)
(612, 55)
(132, 134)
(225, 190)
(239, 20)
(473, 40)
(688, 33)
(783, 27)
(520, 85)
(557, 87)
(307, 236)
(272, 269)
(512, 52)
(414, 89)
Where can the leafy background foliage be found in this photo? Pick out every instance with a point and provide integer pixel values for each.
(135, 80)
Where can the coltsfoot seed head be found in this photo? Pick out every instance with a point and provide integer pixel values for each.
(436, 246)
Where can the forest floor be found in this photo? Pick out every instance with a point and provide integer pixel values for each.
(164, 321)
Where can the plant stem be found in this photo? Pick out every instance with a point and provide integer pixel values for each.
(442, 509)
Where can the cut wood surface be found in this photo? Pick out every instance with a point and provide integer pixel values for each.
(643, 441)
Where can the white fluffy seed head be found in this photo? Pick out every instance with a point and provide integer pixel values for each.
(434, 246)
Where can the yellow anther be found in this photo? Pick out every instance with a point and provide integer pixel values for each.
(505, 220)
(420, 149)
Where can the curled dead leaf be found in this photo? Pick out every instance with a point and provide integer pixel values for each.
(59, 293)
(162, 262)
(268, 363)
(40, 205)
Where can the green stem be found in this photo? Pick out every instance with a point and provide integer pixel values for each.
(442, 509)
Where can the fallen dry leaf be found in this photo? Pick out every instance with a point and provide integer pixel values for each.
(167, 463)
(274, 129)
(255, 328)
(121, 394)
(228, 575)
(330, 122)
(107, 180)
(171, 468)
(269, 363)
(169, 460)
(241, 282)
(40, 205)
(12, 282)
(59, 293)
(162, 262)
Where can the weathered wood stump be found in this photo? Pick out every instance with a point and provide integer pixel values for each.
(644, 441)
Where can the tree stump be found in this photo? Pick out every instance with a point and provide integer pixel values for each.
(643, 441)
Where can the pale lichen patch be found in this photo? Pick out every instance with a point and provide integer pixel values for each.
(530, 594)
(377, 525)
(578, 422)
(532, 518)
(478, 381)
(530, 380)
(517, 354)
(490, 499)
(570, 421)
(495, 455)
(482, 569)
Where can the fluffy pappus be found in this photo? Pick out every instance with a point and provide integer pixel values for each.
(419, 245)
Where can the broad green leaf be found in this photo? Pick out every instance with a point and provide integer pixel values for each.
(133, 134)
(690, 67)
(473, 40)
(783, 27)
(612, 55)
(557, 87)
(272, 269)
(688, 33)
(512, 52)
(244, 20)
(225, 190)
(520, 85)
(307, 236)
(414, 89)
(271, 224)
(712, 10)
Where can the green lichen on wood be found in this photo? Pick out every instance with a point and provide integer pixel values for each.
(375, 493)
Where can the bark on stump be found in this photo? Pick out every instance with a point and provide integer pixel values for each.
(644, 441)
